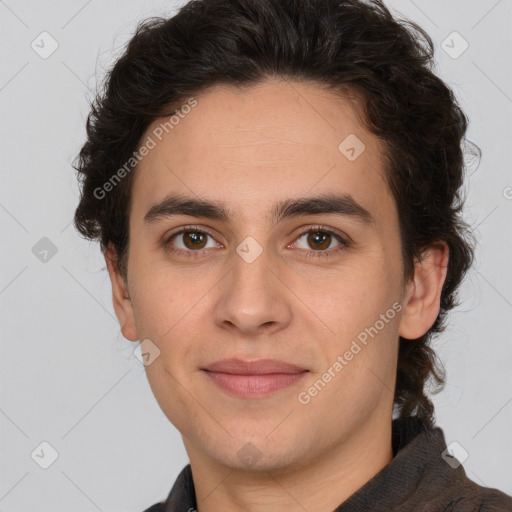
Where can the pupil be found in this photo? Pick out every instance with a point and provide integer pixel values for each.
(194, 237)
(319, 238)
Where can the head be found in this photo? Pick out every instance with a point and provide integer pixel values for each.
(243, 108)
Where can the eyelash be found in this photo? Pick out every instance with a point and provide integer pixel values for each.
(344, 243)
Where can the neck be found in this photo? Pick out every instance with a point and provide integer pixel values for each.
(316, 485)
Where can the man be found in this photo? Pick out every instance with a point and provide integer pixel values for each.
(275, 188)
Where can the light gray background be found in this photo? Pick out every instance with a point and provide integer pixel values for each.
(69, 378)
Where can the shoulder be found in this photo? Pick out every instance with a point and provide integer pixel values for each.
(157, 507)
(436, 479)
(182, 496)
(475, 498)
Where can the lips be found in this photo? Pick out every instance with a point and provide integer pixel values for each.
(259, 367)
(253, 379)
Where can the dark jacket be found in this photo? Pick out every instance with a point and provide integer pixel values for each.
(421, 477)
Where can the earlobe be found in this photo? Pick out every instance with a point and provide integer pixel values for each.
(121, 297)
(422, 302)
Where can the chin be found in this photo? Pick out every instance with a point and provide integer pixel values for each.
(257, 455)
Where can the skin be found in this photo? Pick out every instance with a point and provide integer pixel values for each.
(249, 149)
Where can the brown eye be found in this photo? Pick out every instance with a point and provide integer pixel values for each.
(188, 240)
(319, 239)
(194, 239)
(318, 242)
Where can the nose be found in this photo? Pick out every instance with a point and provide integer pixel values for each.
(253, 298)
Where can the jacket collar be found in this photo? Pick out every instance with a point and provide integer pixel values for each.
(421, 475)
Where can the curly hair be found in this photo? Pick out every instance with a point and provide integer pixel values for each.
(345, 45)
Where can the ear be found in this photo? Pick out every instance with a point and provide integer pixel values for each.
(121, 297)
(423, 297)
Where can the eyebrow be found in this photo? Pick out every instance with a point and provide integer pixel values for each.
(338, 204)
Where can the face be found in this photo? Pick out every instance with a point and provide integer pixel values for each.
(317, 285)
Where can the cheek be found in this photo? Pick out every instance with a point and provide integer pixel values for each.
(169, 309)
(161, 296)
(177, 405)
(349, 300)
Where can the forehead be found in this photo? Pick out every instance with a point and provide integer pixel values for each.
(248, 147)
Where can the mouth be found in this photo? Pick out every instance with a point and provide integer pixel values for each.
(253, 379)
